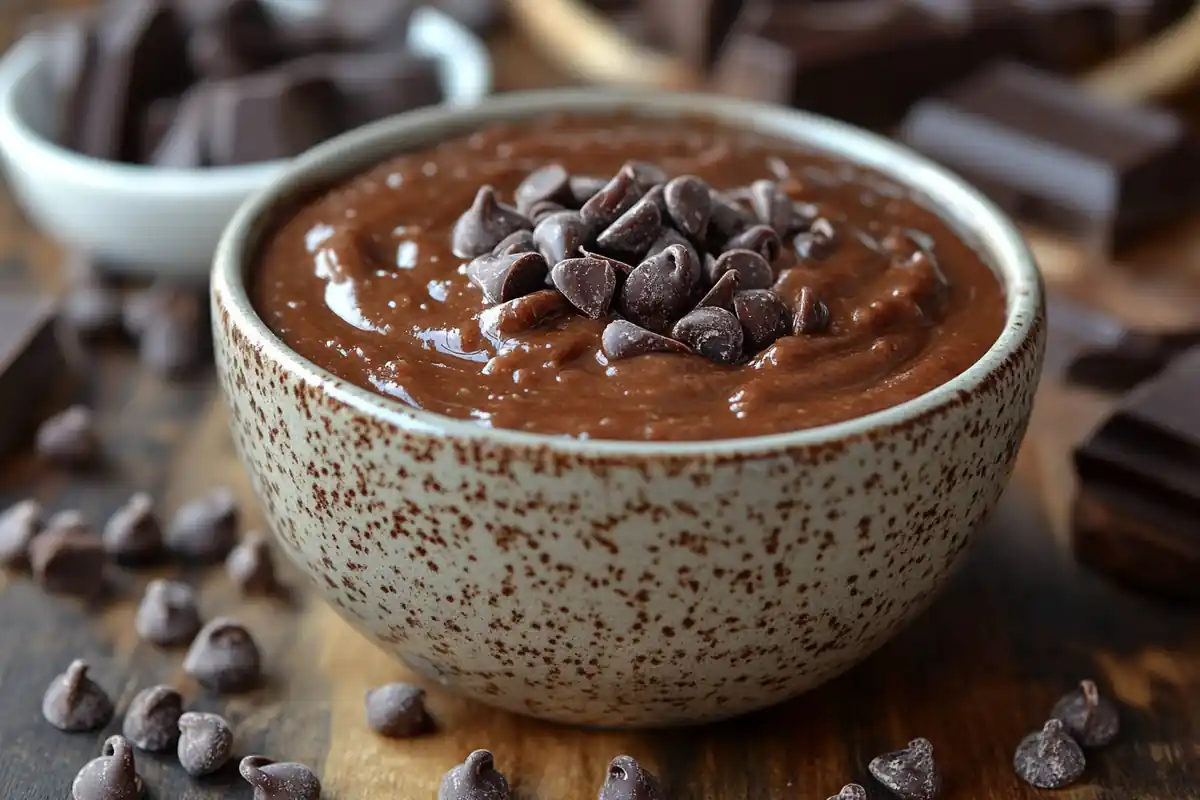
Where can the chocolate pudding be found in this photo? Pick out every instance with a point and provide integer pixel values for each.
(622, 279)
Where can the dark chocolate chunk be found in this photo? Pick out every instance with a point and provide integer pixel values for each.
(764, 317)
(909, 773)
(515, 242)
(224, 657)
(1049, 758)
(712, 332)
(251, 567)
(560, 236)
(371, 86)
(660, 289)
(168, 614)
(1135, 356)
(184, 143)
(19, 524)
(157, 121)
(1091, 719)
(397, 710)
(584, 187)
(474, 779)
(754, 272)
(69, 438)
(722, 292)
(31, 361)
(759, 238)
(812, 315)
(818, 242)
(230, 38)
(612, 200)
(205, 529)
(631, 234)
(133, 534)
(626, 780)
(283, 780)
(851, 791)
(623, 339)
(485, 224)
(689, 204)
(68, 557)
(523, 314)
(504, 278)
(75, 703)
(551, 182)
(588, 283)
(152, 721)
(205, 743)
(112, 776)
(270, 115)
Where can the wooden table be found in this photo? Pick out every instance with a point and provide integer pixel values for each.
(1019, 624)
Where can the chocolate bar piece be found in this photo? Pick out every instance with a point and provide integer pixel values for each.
(30, 363)
(277, 114)
(184, 143)
(1057, 156)
(694, 30)
(228, 38)
(1137, 514)
(374, 85)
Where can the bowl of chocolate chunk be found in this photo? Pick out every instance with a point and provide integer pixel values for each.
(133, 132)
(625, 409)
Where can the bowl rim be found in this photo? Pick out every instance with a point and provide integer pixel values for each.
(972, 216)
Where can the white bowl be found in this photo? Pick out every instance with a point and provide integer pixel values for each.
(163, 221)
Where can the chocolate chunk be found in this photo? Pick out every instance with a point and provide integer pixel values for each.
(75, 703)
(157, 121)
(371, 86)
(623, 339)
(504, 278)
(551, 182)
(1049, 758)
(631, 234)
(474, 779)
(168, 614)
(764, 317)
(612, 200)
(773, 207)
(68, 558)
(19, 524)
(516, 242)
(397, 710)
(722, 292)
(112, 776)
(485, 224)
(205, 529)
(660, 289)
(588, 283)
(270, 115)
(818, 242)
(31, 361)
(689, 204)
(133, 534)
(754, 272)
(812, 315)
(526, 313)
(152, 721)
(184, 143)
(251, 567)
(230, 38)
(560, 236)
(909, 773)
(1134, 357)
(670, 236)
(759, 238)
(1092, 720)
(69, 438)
(205, 743)
(626, 780)
(584, 187)
(224, 657)
(279, 781)
(851, 791)
(712, 332)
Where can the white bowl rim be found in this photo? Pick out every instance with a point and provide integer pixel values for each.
(973, 216)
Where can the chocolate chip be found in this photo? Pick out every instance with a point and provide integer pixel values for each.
(583, 187)
(646, 174)
(689, 204)
(1049, 758)
(560, 236)
(516, 242)
(818, 242)
(548, 183)
(611, 201)
(1091, 719)
(68, 558)
(725, 220)
(397, 710)
(152, 721)
(773, 207)
(133, 534)
(909, 773)
(74, 702)
(759, 238)
(92, 309)
(168, 613)
(485, 224)
(523, 314)
(205, 529)
(623, 339)
(626, 780)
(588, 283)
(764, 317)
(19, 524)
(722, 292)
(250, 566)
(279, 781)
(660, 289)
(544, 208)
(851, 791)
(670, 236)
(69, 438)
(631, 234)
(112, 776)
(205, 743)
(504, 278)
(754, 272)
(474, 779)
(224, 657)
(712, 332)
(812, 315)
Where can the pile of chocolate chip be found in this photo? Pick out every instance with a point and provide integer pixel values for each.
(676, 266)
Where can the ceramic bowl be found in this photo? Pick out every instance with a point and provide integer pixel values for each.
(162, 221)
(615, 583)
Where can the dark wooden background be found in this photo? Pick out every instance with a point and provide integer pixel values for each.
(1019, 625)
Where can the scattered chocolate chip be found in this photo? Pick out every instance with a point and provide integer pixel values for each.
(224, 657)
(623, 339)
(660, 289)
(544, 208)
(251, 567)
(909, 773)
(631, 234)
(19, 524)
(205, 743)
(812, 315)
(764, 317)
(725, 220)
(689, 204)
(722, 292)
(626, 780)
(560, 236)
(1049, 758)
(548, 183)
(759, 238)
(168, 614)
(397, 710)
(1091, 719)
(646, 174)
(851, 791)
(279, 781)
(69, 438)
(205, 529)
(773, 207)
(474, 779)
(112, 776)
(75, 703)
(583, 187)
(818, 242)
(754, 272)
(133, 534)
(670, 236)
(152, 721)
(712, 332)
(92, 309)
(504, 278)
(68, 558)
(588, 283)
(611, 201)
(523, 314)
(485, 224)
(516, 242)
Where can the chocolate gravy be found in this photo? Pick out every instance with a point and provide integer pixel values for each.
(363, 281)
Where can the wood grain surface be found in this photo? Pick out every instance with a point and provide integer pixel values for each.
(1017, 627)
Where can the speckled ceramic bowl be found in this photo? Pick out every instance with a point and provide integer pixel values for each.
(624, 583)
